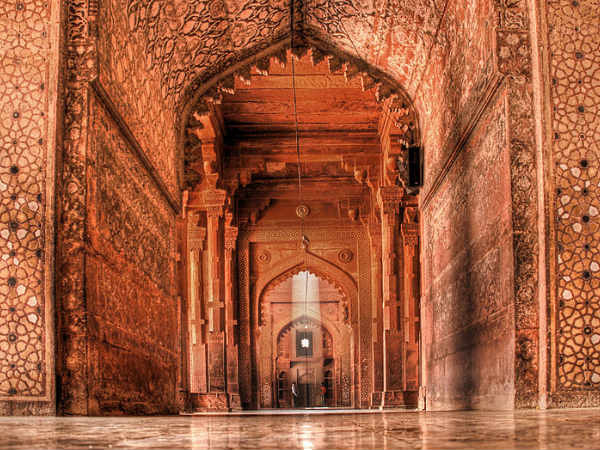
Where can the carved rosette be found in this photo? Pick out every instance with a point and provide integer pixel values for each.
(345, 256)
(302, 211)
(264, 257)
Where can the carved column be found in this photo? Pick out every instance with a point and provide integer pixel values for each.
(377, 312)
(411, 294)
(214, 276)
(231, 323)
(215, 305)
(212, 394)
(244, 328)
(389, 198)
(72, 319)
(197, 361)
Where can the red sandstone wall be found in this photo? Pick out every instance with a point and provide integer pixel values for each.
(170, 42)
(130, 280)
(451, 84)
(467, 256)
(468, 275)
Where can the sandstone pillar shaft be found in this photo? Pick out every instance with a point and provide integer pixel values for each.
(231, 340)
(389, 198)
(411, 294)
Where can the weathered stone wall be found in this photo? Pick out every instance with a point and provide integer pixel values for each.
(510, 67)
(170, 43)
(450, 85)
(468, 275)
(131, 307)
(29, 57)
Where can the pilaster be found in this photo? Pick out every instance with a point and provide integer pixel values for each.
(409, 230)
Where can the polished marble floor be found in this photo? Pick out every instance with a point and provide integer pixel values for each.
(557, 429)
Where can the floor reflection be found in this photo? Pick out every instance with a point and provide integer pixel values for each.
(397, 430)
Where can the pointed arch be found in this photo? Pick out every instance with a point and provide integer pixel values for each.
(208, 87)
(285, 326)
(296, 264)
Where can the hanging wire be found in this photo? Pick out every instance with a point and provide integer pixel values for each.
(303, 239)
(412, 75)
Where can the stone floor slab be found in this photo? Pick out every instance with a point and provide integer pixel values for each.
(552, 429)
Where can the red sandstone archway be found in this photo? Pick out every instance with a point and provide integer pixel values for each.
(267, 329)
(311, 263)
(318, 364)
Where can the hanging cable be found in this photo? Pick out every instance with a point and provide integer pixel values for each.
(303, 238)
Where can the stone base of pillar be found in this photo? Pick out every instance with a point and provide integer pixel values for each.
(400, 399)
(210, 401)
(376, 399)
(422, 406)
(235, 403)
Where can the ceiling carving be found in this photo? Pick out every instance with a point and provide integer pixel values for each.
(343, 110)
(176, 48)
(183, 41)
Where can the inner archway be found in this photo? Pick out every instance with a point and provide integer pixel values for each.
(291, 167)
(304, 345)
(305, 358)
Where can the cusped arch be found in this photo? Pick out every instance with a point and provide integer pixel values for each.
(208, 87)
(304, 262)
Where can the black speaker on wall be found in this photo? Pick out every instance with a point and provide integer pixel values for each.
(415, 166)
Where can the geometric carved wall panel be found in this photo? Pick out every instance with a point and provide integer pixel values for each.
(28, 68)
(574, 41)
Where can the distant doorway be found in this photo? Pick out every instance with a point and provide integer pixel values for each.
(305, 360)
(305, 347)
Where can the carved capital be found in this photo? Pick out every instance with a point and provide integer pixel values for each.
(212, 201)
(389, 198)
(231, 234)
(214, 212)
(410, 238)
(411, 215)
(196, 238)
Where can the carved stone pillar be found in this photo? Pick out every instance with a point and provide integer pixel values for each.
(215, 303)
(389, 198)
(212, 394)
(411, 294)
(377, 312)
(231, 323)
(197, 361)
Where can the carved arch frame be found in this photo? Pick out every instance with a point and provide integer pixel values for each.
(292, 266)
(265, 340)
(207, 89)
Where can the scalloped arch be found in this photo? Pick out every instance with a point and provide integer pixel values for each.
(285, 329)
(208, 87)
